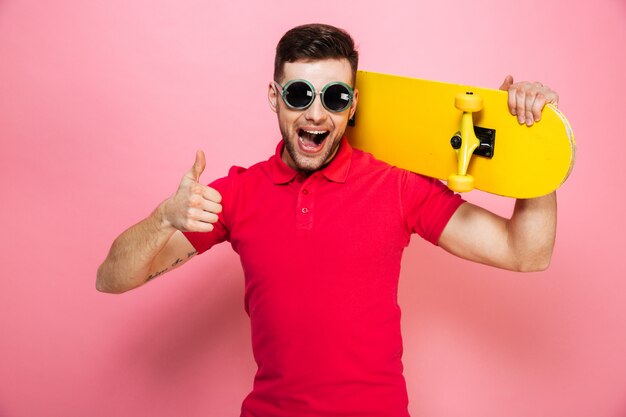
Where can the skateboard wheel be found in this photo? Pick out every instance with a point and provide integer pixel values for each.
(468, 102)
(461, 183)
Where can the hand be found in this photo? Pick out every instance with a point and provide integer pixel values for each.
(526, 100)
(194, 207)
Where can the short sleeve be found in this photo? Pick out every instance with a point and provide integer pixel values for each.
(427, 205)
(203, 241)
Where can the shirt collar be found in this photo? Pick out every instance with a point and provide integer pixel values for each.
(336, 171)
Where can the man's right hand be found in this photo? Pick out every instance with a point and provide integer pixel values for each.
(156, 245)
(194, 207)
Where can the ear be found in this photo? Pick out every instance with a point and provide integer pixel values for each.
(355, 100)
(272, 96)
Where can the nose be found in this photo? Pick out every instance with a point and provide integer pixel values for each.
(316, 111)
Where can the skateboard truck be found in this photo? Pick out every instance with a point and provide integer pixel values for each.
(465, 142)
(486, 137)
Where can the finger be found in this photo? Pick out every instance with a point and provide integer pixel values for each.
(506, 84)
(537, 108)
(198, 201)
(211, 194)
(529, 105)
(196, 220)
(520, 104)
(512, 101)
(210, 207)
(198, 166)
(205, 216)
(552, 97)
(198, 226)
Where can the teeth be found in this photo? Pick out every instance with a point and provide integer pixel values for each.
(315, 132)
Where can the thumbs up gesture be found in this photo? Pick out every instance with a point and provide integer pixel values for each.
(194, 207)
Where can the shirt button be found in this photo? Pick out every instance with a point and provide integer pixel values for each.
(305, 210)
(305, 191)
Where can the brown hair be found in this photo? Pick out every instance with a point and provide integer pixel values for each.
(314, 42)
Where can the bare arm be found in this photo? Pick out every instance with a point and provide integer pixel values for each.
(525, 241)
(156, 245)
(522, 243)
(143, 252)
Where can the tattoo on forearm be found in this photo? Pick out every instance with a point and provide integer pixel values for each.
(156, 274)
(176, 262)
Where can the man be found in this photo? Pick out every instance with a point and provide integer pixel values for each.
(320, 229)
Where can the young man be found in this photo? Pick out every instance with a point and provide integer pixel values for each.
(320, 229)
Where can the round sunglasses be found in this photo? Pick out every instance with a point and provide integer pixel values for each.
(300, 94)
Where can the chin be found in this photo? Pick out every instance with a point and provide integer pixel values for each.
(310, 164)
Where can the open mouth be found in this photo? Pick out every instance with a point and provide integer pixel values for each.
(312, 140)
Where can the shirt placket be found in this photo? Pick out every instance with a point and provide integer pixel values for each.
(304, 206)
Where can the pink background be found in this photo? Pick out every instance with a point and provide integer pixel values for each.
(102, 106)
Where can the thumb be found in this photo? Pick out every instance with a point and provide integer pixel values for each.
(198, 166)
(506, 84)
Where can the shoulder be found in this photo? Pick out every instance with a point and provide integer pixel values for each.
(239, 174)
(413, 187)
(365, 162)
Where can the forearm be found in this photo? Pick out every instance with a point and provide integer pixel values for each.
(532, 232)
(128, 264)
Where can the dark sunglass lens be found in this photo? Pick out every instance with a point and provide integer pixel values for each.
(299, 95)
(336, 97)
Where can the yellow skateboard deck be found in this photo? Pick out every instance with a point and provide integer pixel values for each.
(417, 124)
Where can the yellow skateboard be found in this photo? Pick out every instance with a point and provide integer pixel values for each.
(464, 135)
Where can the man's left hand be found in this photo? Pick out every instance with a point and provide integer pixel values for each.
(526, 99)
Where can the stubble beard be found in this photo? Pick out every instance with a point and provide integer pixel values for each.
(310, 165)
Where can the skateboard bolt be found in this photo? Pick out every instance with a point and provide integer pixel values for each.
(456, 141)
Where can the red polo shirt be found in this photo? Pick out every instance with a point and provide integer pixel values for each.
(321, 257)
